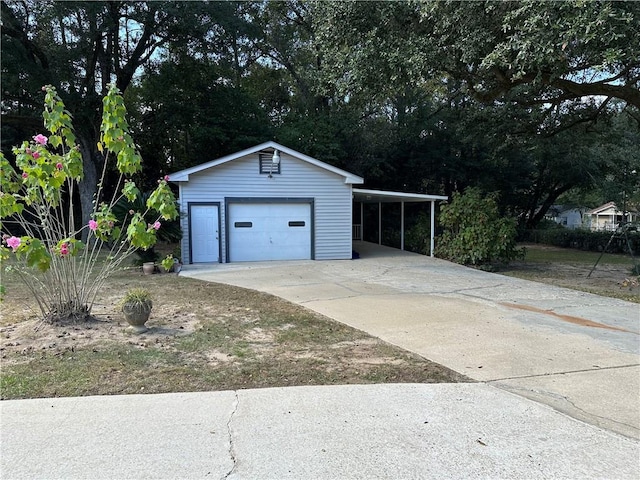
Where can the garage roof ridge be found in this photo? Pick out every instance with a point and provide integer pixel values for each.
(183, 175)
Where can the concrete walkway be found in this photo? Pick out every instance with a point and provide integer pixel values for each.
(568, 352)
(440, 431)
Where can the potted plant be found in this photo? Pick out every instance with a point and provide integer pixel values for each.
(167, 264)
(136, 307)
(148, 268)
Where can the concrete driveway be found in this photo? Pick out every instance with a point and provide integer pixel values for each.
(576, 352)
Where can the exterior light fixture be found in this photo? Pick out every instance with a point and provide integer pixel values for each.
(275, 161)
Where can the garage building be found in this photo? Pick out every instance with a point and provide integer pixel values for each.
(267, 202)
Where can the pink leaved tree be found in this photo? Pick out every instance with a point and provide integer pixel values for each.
(41, 241)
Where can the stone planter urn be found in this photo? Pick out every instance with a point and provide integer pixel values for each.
(136, 308)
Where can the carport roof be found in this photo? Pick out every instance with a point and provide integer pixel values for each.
(384, 196)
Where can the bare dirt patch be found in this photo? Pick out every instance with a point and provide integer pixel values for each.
(612, 276)
(33, 335)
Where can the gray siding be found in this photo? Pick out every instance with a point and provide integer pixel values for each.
(298, 179)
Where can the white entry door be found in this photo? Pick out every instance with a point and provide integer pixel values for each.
(205, 243)
(269, 231)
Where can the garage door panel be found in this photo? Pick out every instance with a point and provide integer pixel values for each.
(269, 231)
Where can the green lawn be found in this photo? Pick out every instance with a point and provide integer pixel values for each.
(541, 254)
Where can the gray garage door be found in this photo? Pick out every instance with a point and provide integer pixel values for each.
(269, 231)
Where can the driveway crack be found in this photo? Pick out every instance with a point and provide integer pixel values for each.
(591, 414)
(583, 414)
(551, 374)
(471, 289)
(232, 451)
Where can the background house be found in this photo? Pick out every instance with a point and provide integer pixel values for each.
(565, 216)
(607, 217)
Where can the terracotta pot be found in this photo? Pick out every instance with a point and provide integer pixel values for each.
(148, 268)
(136, 316)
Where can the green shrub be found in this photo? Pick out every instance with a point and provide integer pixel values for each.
(418, 237)
(546, 224)
(584, 240)
(474, 232)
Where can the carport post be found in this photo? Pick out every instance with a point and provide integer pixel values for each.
(401, 225)
(362, 221)
(433, 225)
(379, 223)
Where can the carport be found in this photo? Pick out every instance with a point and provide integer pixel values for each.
(363, 196)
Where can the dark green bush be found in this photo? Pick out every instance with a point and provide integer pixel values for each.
(546, 224)
(584, 240)
(474, 232)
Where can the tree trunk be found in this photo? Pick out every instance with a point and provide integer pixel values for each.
(88, 186)
(537, 215)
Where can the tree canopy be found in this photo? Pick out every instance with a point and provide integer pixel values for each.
(532, 100)
(538, 53)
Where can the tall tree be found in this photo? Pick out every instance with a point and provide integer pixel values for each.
(82, 47)
(288, 40)
(619, 148)
(544, 53)
(536, 70)
(183, 120)
(288, 81)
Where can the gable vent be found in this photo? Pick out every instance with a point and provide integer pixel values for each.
(267, 167)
